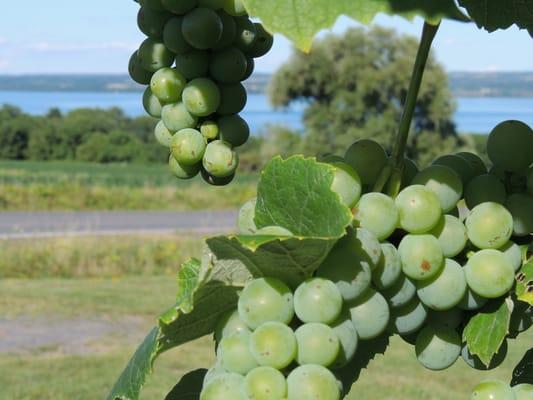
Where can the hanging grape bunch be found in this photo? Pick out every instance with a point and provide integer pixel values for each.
(195, 57)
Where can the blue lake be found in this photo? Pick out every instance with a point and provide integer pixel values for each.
(474, 115)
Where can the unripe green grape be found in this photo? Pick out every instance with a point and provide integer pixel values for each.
(245, 222)
(265, 383)
(370, 314)
(188, 146)
(459, 165)
(262, 44)
(366, 247)
(201, 97)
(214, 371)
(233, 98)
(173, 37)
(179, 6)
(401, 292)
(523, 391)
(228, 65)
(389, 268)
(151, 22)
(274, 230)
(489, 273)
(176, 117)
(421, 255)
(472, 301)
(137, 72)
(410, 170)
(477, 164)
(162, 134)
(312, 382)
(317, 300)
(445, 290)
(209, 129)
(153, 4)
(234, 7)
(214, 4)
(264, 300)
(530, 181)
(409, 318)
(153, 55)
(444, 182)
(230, 324)
(419, 209)
(377, 213)
(229, 30)
(520, 205)
(368, 158)
(182, 171)
(151, 104)
(346, 183)
(220, 160)
(489, 226)
(348, 339)
(202, 28)
(234, 353)
(509, 146)
(483, 189)
(474, 361)
(245, 35)
(215, 181)
(317, 344)
(193, 64)
(167, 85)
(513, 253)
(224, 387)
(438, 348)
(493, 390)
(449, 319)
(250, 67)
(233, 129)
(451, 234)
(273, 344)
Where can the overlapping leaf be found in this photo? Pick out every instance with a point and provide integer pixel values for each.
(501, 14)
(523, 373)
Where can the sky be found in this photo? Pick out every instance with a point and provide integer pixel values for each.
(98, 36)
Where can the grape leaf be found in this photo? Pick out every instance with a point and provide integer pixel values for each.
(301, 20)
(523, 373)
(501, 14)
(524, 285)
(486, 331)
(189, 386)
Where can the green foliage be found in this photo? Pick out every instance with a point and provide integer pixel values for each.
(493, 15)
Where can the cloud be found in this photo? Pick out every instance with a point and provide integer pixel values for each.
(75, 47)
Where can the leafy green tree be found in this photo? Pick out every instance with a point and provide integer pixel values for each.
(14, 136)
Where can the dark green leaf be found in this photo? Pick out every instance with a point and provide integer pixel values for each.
(189, 387)
(500, 14)
(523, 373)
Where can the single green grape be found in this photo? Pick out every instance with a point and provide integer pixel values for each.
(312, 382)
(401, 292)
(230, 324)
(377, 213)
(489, 273)
(179, 6)
(274, 230)
(228, 65)
(422, 256)
(389, 269)
(513, 253)
(370, 314)
(151, 104)
(419, 209)
(264, 300)
(224, 387)
(201, 97)
(182, 171)
(202, 28)
(216, 181)
(153, 4)
(229, 31)
(234, 353)
(233, 129)
(213, 4)
(444, 182)
(245, 222)
(472, 301)
(188, 146)
(410, 170)
(167, 85)
(474, 361)
(523, 391)
(162, 134)
(475, 161)
(451, 234)
(234, 8)
(489, 226)
(348, 339)
(346, 183)
(493, 390)
(214, 371)
(368, 158)
(409, 318)
(451, 318)
(153, 55)
(265, 383)
(262, 44)
(245, 34)
(273, 344)
(250, 67)
(483, 189)
(446, 289)
(317, 344)
(509, 146)
(220, 160)
(173, 37)
(520, 205)
(438, 348)
(366, 247)
(176, 117)
(459, 165)
(233, 98)
(151, 22)
(193, 64)
(317, 300)
(530, 181)
(137, 72)
(209, 129)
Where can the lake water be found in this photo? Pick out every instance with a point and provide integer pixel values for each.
(474, 115)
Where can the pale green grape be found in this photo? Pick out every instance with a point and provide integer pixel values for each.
(151, 104)
(410, 170)
(346, 183)
(446, 289)
(234, 7)
(472, 301)
(421, 255)
(183, 171)
(530, 181)
(228, 65)
(234, 353)
(153, 55)
(229, 30)
(370, 314)
(179, 6)
(489, 226)
(220, 160)
(245, 35)
(419, 209)
(167, 85)
(230, 324)
(317, 344)
(246, 221)
(509, 146)
(137, 72)
(273, 344)
(368, 158)
(317, 300)
(262, 44)
(409, 318)
(477, 164)
(444, 182)
(493, 390)
(233, 129)
(176, 117)
(224, 387)
(173, 37)
(474, 361)
(451, 234)
(489, 273)
(513, 253)
(523, 391)
(401, 292)
(521, 207)
(459, 165)
(389, 268)
(188, 146)
(151, 22)
(233, 98)
(216, 181)
(348, 339)
(202, 28)
(214, 371)
(274, 230)
(366, 247)
(450, 318)
(201, 96)
(312, 382)
(193, 64)
(265, 300)
(162, 134)
(265, 383)
(483, 189)
(377, 213)
(209, 129)
(438, 348)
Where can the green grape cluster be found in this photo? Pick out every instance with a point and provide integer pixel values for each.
(499, 390)
(196, 55)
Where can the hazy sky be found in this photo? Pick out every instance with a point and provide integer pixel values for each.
(98, 36)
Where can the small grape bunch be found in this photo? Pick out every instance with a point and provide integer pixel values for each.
(195, 57)
(493, 389)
